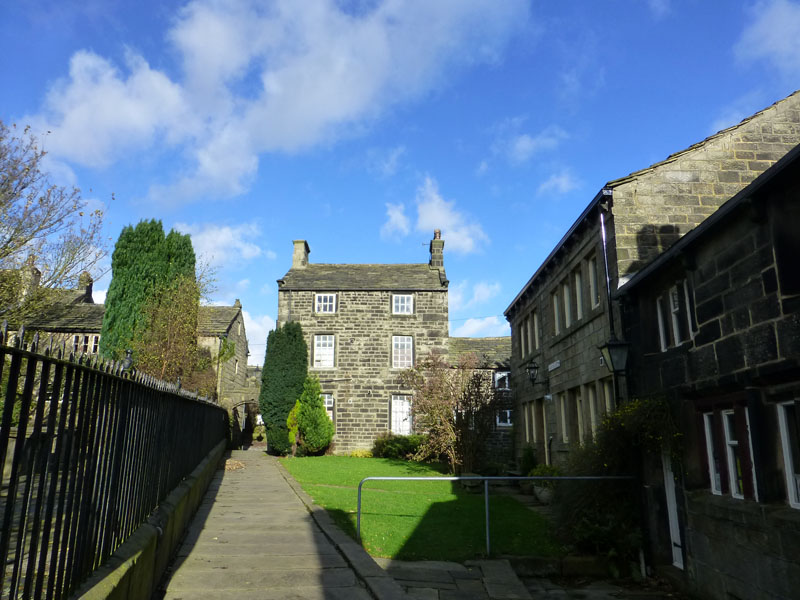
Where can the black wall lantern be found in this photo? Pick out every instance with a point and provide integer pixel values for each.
(532, 369)
(615, 353)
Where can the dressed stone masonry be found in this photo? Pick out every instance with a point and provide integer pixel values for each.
(364, 324)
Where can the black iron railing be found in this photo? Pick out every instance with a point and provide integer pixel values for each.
(87, 453)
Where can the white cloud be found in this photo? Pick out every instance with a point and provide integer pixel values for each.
(257, 328)
(397, 224)
(773, 36)
(223, 245)
(483, 327)
(461, 233)
(270, 255)
(738, 109)
(386, 162)
(482, 169)
(517, 146)
(462, 297)
(255, 77)
(659, 8)
(559, 183)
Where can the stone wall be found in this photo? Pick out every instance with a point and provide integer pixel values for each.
(656, 206)
(569, 361)
(363, 380)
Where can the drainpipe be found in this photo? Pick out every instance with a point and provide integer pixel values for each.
(608, 197)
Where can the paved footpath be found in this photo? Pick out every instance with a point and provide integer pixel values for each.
(257, 534)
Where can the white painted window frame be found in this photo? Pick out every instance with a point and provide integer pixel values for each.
(713, 472)
(330, 404)
(499, 376)
(402, 304)
(562, 404)
(662, 333)
(402, 351)
(567, 299)
(322, 349)
(535, 318)
(789, 468)
(556, 301)
(730, 454)
(400, 422)
(509, 421)
(577, 285)
(594, 289)
(325, 303)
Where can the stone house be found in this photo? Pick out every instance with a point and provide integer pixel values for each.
(563, 314)
(714, 327)
(495, 354)
(364, 324)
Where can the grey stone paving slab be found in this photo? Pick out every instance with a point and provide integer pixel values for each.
(253, 537)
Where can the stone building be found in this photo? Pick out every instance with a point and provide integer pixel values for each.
(562, 315)
(714, 327)
(364, 324)
(494, 353)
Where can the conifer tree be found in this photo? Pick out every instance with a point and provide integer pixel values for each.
(314, 426)
(285, 367)
(143, 263)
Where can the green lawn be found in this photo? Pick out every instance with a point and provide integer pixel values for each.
(418, 520)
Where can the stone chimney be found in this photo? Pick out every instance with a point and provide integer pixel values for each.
(437, 250)
(300, 256)
(30, 277)
(85, 283)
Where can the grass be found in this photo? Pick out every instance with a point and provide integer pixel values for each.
(418, 520)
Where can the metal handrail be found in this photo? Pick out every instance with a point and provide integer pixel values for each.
(486, 481)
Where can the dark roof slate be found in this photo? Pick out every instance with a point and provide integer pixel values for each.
(215, 320)
(495, 350)
(71, 318)
(400, 277)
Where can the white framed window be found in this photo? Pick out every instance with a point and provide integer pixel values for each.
(95, 344)
(576, 393)
(402, 351)
(330, 404)
(789, 424)
(554, 299)
(502, 380)
(714, 467)
(535, 321)
(236, 366)
(577, 287)
(608, 394)
(400, 412)
(674, 315)
(591, 394)
(81, 344)
(566, 297)
(527, 415)
(505, 417)
(594, 288)
(523, 337)
(402, 304)
(324, 303)
(324, 351)
(562, 405)
(733, 455)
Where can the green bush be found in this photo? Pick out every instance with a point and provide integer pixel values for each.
(361, 453)
(528, 460)
(604, 517)
(544, 471)
(390, 445)
(313, 423)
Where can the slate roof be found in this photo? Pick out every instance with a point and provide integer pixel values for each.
(496, 350)
(215, 320)
(71, 318)
(400, 277)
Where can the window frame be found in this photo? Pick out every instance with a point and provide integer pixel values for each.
(320, 303)
(408, 362)
(714, 469)
(790, 469)
(394, 400)
(329, 410)
(499, 375)
(563, 413)
(536, 342)
(555, 300)
(409, 303)
(566, 293)
(508, 412)
(523, 335)
(318, 337)
(594, 287)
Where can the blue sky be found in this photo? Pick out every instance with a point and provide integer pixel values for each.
(362, 125)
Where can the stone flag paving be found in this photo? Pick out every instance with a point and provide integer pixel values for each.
(253, 537)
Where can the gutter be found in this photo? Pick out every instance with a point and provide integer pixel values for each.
(605, 193)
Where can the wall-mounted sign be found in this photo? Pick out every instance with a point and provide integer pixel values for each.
(554, 365)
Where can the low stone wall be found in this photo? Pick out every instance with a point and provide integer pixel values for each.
(136, 567)
(742, 549)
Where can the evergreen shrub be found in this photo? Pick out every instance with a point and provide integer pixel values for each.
(314, 425)
(390, 445)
